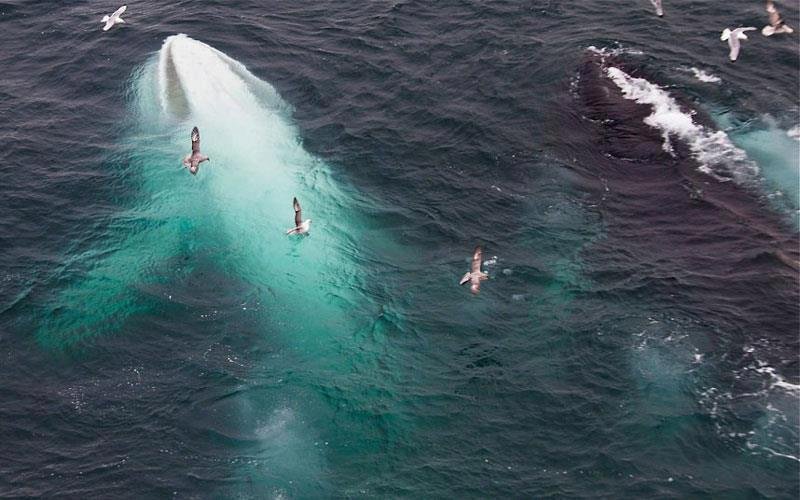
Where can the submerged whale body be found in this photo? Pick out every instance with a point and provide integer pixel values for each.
(640, 120)
(187, 84)
(625, 109)
(661, 145)
(687, 227)
(620, 121)
(657, 143)
(310, 299)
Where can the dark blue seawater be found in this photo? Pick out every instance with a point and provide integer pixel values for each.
(160, 336)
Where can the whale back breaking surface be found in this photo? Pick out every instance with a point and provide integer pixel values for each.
(689, 235)
(173, 99)
(682, 200)
(619, 121)
(652, 134)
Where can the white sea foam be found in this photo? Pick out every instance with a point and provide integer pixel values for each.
(776, 379)
(704, 76)
(714, 151)
(794, 132)
(605, 51)
(773, 452)
(775, 429)
(773, 433)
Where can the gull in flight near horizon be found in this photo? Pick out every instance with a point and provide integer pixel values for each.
(300, 226)
(193, 161)
(733, 37)
(113, 18)
(657, 5)
(475, 275)
(776, 24)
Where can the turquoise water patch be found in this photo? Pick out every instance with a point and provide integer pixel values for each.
(777, 155)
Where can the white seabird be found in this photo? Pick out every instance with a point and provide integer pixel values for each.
(113, 18)
(657, 5)
(475, 276)
(776, 24)
(733, 37)
(300, 226)
(193, 161)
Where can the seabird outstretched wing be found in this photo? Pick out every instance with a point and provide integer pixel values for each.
(119, 11)
(776, 23)
(774, 16)
(298, 213)
(195, 140)
(657, 5)
(477, 256)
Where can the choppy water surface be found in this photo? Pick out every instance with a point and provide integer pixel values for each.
(636, 198)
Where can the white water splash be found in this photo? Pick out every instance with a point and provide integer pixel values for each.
(715, 152)
(704, 76)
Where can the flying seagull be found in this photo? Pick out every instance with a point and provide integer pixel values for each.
(113, 18)
(657, 5)
(475, 276)
(300, 226)
(733, 37)
(193, 161)
(776, 25)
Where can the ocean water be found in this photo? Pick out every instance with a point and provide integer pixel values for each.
(636, 195)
